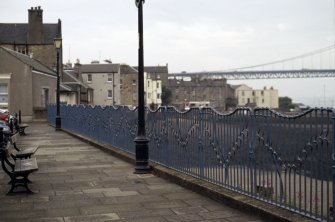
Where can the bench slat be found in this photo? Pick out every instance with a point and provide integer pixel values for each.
(22, 152)
(26, 165)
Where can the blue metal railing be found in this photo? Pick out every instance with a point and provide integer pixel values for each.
(287, 161)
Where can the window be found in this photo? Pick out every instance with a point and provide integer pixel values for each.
(262, 93)
(158, 95)
(262, 100)
(21, 49)
(148, 83)
(149, 95)
(134, 81)
(89, 77)
(110, 78)
(3, 94)
(110, 93)
(45, 97)
(157, 85)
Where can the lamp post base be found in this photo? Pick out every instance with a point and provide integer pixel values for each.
(142, 155)
(58, 123)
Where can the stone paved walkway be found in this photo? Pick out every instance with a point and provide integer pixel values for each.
(78, 182)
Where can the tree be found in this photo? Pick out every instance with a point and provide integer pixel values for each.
(285, 103)
(166, 96)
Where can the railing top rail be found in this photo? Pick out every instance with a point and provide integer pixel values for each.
(294, 116)
(245, 110)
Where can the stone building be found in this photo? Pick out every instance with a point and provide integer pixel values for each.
(247, 96)
(25, 84)
(153, 91)
(78, 92)
(157, 73)
(104, 80)
(198, 91)
(34, 38)
(129, 86)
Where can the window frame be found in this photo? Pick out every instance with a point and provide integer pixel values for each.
(89, 78)
(110, 77)
(109, 94)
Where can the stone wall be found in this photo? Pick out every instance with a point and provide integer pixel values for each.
(46, 54)
(129, 89)
(199, 89)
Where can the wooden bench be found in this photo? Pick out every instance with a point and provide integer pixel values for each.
(20, 128)
(17, 169)
(17, 152)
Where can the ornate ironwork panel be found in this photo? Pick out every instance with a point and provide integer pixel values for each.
(288, 161)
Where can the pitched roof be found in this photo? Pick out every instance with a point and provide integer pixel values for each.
(127, 69)
(35, 64)
(74, 80)
(100, 68)
(18, 33)
(234, 86)
(65, 88)
(154, 69)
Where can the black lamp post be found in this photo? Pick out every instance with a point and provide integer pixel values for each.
(58, 45)
(141, 141)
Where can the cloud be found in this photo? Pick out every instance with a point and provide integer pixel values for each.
(196, 36)
(281, 27)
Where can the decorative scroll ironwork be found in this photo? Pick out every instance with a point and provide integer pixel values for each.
(287, 161)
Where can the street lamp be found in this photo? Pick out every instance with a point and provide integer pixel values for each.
(58, 45)
(141, 141)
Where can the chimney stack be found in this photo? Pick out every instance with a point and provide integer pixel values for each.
(35, 26)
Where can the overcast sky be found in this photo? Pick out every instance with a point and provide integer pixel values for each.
(197, 35)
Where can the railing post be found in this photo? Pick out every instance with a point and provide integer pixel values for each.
(253, 170)
(200, 144)
(166, 115)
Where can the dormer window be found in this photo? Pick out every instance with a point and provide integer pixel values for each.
(21, 49)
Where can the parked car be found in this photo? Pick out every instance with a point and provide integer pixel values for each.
(4, 115)
(4, 126)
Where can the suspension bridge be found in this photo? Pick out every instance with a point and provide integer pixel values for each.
(315, 64)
